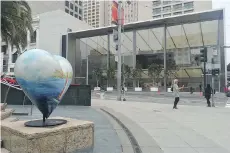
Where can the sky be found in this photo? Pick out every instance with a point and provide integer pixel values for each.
(216, 4)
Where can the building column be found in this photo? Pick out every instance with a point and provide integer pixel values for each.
(108, 52)
(165, 60)
(134, 53)
(28, 41)
(221, 53)
(37, 38)
(9, 50)
(73, 55)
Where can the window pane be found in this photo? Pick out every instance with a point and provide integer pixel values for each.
(177, 13)
(80, 18)
(80, 11)
(158, 16)
(166, 15)
(177, 7)
(76, 2)
(67, 3)
(190, 11)
(156, 3)
(76, 16)
(71, 6)
(167, 9)
(188, 5)
(66, 10)
(71, 13)
(80, 3)
(166, 2)
(157, 11)
(76, 9)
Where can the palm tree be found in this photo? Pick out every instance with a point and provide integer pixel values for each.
(16, 20)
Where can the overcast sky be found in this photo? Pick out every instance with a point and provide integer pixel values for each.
(226, 5)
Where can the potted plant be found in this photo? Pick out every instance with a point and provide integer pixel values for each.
(126, 74)
(110, 76)
(97, 73)
(137, 74)
(154, 71)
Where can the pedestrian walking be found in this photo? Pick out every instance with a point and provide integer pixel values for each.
(200, 87)
(176, 91)
(208, 93)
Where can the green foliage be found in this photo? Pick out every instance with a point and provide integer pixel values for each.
(154, 71)
(172, 68)
(137, 73)
(97, 73)
(16, 20)
(126, 71)
(110, 73)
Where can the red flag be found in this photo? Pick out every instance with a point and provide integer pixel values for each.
(114, 12)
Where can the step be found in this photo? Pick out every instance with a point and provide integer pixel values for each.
(6, 113)
(3, 106)
(3, 150)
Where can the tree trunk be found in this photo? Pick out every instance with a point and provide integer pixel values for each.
(97, 83)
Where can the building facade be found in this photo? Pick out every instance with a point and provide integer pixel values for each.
(98, 13)
(169, 8)
(48, 30)
(175, 46)
(71, 7)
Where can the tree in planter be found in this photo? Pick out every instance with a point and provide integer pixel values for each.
(110, 74)
(126, 73)
(154, 71)
(97, 73)
(137, 74)
(171, 68)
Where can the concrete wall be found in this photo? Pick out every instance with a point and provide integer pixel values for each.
(55, 24)
(39, 7)
(202, 5)
(144, 10)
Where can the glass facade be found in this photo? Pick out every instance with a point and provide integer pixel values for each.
(173, 50)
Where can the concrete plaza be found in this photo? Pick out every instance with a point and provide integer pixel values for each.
(190, 129)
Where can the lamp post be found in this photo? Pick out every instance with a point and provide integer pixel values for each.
(119, 53)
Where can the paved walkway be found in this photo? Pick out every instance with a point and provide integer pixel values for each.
(106, 139)
(190, 129)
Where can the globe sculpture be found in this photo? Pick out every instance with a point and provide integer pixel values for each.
(44, 79)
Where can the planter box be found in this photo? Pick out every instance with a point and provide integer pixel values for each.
(109, 88)
(97, 88)
(154, 89)
(138, 89)
(169, 90)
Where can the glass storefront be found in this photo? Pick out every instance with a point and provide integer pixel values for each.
(145, 48)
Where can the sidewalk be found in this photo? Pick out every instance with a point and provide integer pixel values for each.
(190, 129)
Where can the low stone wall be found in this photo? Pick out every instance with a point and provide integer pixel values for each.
(74, 136)
(75, 95)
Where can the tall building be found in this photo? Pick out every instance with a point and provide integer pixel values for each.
(71, 7)
(98, 13)
(168, 8)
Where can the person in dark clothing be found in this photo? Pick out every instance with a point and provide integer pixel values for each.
(200, 86)
(208, 93)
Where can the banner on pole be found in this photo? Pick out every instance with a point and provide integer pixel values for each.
(114, 13)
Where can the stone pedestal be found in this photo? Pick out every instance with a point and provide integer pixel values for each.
(75, 135)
